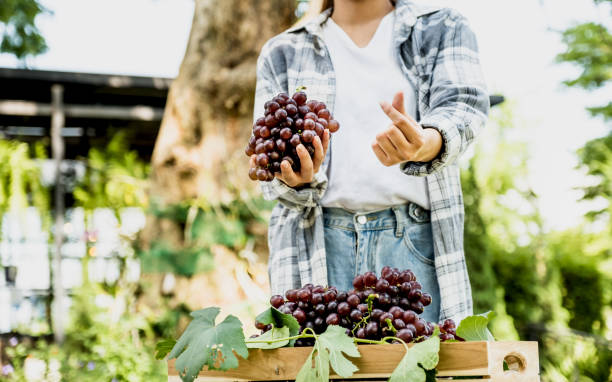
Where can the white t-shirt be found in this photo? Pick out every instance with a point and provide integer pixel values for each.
(364, 77)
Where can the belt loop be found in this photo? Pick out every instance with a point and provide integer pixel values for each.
(399, 222)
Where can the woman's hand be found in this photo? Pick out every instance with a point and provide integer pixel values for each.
(405, 140)
(309, 166)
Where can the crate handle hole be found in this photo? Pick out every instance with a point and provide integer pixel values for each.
(515, 362)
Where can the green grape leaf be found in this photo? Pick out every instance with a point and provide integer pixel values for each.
(474, 328)
(420, 357)
(336, 342)
(162, 348)
(319, 358)
(270, 335)
(277, 319)
(328, 349)
(204, 343)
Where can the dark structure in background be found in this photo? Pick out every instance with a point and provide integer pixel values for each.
(92, 104)
(76, 111)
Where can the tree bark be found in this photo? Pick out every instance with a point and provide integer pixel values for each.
(199, 151)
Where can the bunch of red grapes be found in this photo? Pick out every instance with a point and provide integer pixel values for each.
(288, 121)
(395, 301)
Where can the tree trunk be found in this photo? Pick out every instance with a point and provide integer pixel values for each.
(199, 152)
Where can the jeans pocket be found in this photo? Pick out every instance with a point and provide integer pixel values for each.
(418, 238)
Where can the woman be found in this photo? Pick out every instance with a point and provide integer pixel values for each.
(387, 192)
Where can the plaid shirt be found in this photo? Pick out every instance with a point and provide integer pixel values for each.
(437, 52)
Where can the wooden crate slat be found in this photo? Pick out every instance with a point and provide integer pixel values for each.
(378, 361)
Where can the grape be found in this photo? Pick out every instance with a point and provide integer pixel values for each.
(274, 156)
(333, 125)
(311, 115)
(271, 121)
(260, 326)
(304, 294)
(420, 326)
(446, 337)
(404, 303)
(358, 282)
(396, 311)
(318, 289)
(311, 315)
(299, 97)
(312, 104)
(260, 121)
(332, 319)
(409, 316)
(291, 110)
(393, 290)
(382, 285)
(280, 145)
(289, 122)
(412, 329)
(415, 295)
(384, 300)
(299, 315)
(371, 329)
(329, 296)
(285, 133)
(426, 299)
(405, 287)
(322, 122)
(369, 279)
(299, 124)
(363, 308)
(320, 309)
(341, 296)
(356, 315)
(323, 113)
(384, 317)
(319, 129)
(253, 173)
(273, 107)
(318, 322)
(295, 140)
(404, 335)
(332, 306)
(398, 324)
(260, 148)
(250, 150)
(269, 145)
(285, 310)
(280, 115)
(262, 174)
(353, 300)
(277, 300)
(291, 295)
(304, 305)
(308, 136)
(376, 313)
(344, 308)
(316, 298)
(448, 324)
(303, 110)
(320, 106)
(360, 333)
(417, 307)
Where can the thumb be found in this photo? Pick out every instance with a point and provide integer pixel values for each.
(398, 102)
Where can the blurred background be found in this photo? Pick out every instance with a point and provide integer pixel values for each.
(125, 204)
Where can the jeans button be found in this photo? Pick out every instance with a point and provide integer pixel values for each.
(417, 211)
(361, 219)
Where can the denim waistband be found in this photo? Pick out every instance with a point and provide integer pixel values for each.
(394, 217)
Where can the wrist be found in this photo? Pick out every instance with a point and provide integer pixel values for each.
(432, 145)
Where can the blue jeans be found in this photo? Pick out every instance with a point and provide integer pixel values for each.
(398, 237)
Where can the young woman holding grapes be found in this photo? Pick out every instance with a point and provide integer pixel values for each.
(404, 81)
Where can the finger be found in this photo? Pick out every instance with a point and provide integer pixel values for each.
(380, 154)
(387, 146)
(410, 129)
(398, 102)
(325, 141)
(400, 142)
(305, 162)
(287, 174)
(319, 154)
(252, 160)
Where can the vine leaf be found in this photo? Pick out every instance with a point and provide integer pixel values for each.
(271, 335)
(328, 349)
(204, 343)
(162, 348)
(474, 328)
(420, 357)
(278, 319)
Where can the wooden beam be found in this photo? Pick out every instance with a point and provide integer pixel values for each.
(57, 147)
(35, 109)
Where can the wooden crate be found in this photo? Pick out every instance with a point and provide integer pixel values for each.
(479, 359)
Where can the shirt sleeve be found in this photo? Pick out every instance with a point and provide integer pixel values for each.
(458, 100)
(269, 84)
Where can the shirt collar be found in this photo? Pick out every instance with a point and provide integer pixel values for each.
(407, 13)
